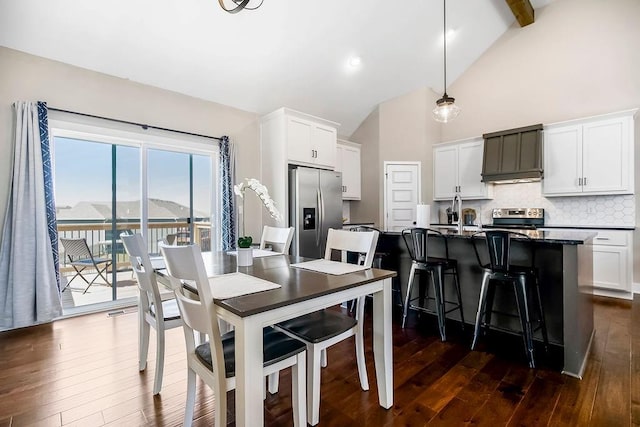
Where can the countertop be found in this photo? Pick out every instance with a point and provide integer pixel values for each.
(563, 237)
(591, 227)
(566, 226)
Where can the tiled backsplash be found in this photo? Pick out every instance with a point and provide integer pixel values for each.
(570, 211)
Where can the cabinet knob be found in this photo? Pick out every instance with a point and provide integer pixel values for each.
(585, 180)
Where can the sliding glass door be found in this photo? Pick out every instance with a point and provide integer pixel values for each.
(179, 198)
(104, 189)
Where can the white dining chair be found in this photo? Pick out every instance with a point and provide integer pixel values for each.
(322, 329)
(214, 361)
(279, 238)
(153, 312)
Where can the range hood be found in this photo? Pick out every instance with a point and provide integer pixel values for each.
(513, 155)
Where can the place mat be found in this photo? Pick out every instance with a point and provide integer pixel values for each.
(257, 253)
(237, 284)
(330, 267)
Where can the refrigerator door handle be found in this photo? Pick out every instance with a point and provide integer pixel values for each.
(320, 216)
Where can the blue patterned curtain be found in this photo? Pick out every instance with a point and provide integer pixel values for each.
(227, 178)
(29, 281)
(52, 223)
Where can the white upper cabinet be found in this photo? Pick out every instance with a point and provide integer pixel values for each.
(348, 162)
(323, 145)
(310, 142)
(589, 157)
(457, 167)
(445, 172)
(290, 137)
(470, 170)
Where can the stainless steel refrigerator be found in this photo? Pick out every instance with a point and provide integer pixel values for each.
(315, 205)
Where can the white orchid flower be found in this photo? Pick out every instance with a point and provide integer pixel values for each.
(263, 194)
(237, 189)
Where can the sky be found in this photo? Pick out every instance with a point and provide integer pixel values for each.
(82, 172)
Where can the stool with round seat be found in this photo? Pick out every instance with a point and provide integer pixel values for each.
(416, 240)
(524, 279)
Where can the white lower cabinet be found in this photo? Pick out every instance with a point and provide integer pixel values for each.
(613, 263)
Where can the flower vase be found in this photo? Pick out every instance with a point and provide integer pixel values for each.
(245, 257)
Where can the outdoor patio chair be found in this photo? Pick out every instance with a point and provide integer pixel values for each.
(81, 259)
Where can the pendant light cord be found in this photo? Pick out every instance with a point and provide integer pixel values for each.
(444, 34)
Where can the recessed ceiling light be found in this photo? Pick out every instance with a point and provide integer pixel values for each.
(355, 62)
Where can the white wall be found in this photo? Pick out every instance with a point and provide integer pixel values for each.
(27, 77)
(368, 135)
(399, 130)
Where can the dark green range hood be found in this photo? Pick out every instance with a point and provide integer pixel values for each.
(513, 155)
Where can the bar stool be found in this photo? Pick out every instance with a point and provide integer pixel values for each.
(416, 240)
(499, 270)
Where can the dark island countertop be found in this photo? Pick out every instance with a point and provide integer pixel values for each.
(560, 236)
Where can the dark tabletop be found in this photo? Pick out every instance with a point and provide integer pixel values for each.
(296, 284)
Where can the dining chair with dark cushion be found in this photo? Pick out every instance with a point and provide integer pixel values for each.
(153, 312)
(321, 329)
(214, 360)
(277, 237)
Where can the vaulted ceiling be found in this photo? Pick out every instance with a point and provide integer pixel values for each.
(292, 53)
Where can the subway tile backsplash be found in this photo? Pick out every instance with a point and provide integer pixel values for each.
(618, 210)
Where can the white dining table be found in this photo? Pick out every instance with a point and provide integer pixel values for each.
(301, 291)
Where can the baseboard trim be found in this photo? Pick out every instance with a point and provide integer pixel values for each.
(613, 294)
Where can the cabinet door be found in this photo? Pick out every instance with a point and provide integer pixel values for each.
(470, 170)
(605, 156)
(610, 268)
(339, 162)
(299, 134)
(323, 144)
(445, 172)
(350, 173)
(562, 161)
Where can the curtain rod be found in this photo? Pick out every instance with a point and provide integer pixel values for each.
(142, 125)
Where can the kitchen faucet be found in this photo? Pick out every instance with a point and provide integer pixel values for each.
(457, 203)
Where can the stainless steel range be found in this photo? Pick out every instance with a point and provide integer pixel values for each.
(522, 218)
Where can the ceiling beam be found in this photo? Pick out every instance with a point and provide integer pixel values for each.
(522, 10)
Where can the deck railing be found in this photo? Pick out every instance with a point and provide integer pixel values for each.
(100, 240)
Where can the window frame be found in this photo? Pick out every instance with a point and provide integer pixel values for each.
(67, 125)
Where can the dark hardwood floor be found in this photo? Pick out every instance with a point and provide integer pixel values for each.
(83, 372)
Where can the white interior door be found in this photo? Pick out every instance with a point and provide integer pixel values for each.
(402, 194)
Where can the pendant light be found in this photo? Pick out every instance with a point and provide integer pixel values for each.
(238, 5)
(446, 109)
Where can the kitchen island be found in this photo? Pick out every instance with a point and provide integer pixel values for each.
(564, 261)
